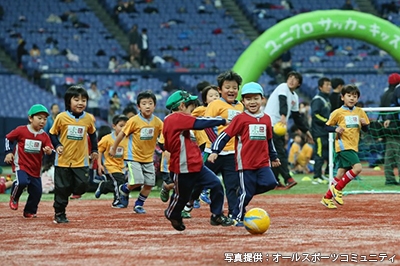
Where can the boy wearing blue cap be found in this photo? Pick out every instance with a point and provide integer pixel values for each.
(186, 164)
(253, 132)
(32, 143)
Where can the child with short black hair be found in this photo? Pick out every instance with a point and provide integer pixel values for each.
(69, 135)
(145, 128)
(112, 167)
(347, 122)
(32, 142)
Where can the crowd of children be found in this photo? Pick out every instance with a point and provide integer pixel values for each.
(198, 142)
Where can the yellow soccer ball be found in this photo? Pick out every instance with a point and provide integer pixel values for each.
(280, 129)
(256, 221)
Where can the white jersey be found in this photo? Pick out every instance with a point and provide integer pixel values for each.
(272, 107)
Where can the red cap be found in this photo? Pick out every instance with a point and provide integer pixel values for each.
(394, 79)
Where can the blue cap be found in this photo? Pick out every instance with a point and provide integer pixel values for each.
(252, 88)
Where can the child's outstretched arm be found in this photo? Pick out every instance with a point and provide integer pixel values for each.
(206, 122)
(218, 145)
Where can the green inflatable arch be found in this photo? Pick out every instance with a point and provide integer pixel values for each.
(314, 25)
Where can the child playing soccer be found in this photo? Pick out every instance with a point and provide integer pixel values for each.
(69, 136)
(145, 129)
(253, 132)
(226, 107)
(112, 167)
(346, 122)
(32, 143)
(186, 164)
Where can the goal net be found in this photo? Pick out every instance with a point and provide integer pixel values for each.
(379, 153)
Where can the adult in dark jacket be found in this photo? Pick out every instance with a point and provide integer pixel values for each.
(320, 111)
(335, 96)
(391, 97)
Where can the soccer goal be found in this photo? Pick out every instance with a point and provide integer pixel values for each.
(373, 146)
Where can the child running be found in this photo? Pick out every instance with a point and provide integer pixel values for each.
(253, 132)
(143, 130)
(226, 107)
(346, 121)
(32, 143)
(186, 164)
(69, 136)
(112, 167)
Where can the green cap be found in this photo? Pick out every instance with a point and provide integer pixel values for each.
(37, 108)
(175, 99)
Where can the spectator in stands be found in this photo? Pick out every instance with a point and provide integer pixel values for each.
(134, 39)
(35, 51)
(115, 106)
(21, 51)
(335, 96)
(94, 99)
(168, 86)
(392, 149)
(113, 64)
(144, 50)
(387, 8)
(1, 12)
(320, 112)
(347, 5)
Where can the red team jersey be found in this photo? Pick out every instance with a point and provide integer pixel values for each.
(252, 135)
(185, 154)
(28, 152)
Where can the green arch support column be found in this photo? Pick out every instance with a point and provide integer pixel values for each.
(314, 25)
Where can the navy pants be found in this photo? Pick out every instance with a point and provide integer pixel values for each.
(252, 182)
(184, 184)
(34, 185)
(225, 164)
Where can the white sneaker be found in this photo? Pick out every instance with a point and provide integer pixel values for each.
(317, 181)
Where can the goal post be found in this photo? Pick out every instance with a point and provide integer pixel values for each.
(373, 146)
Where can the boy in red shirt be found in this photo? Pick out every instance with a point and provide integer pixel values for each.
(186, 163)
(253, 132)
(32, 144)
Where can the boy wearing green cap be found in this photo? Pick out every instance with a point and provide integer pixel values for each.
(32, 143)
(186, 164)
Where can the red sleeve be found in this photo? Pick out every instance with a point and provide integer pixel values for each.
(235, 127)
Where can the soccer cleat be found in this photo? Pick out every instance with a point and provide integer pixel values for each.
(328, 203)
(13, 204)
(196, 204)
(239, 223)
(188, 208)
(337, 195)
(60, 218)
(176, 224)
(185, 215)
(221, 220)
(29, 215)
(99, 178)
(280, 186)
(98, 193)
(318, 180)
(139, 209)
(75, 196)
(204, 197)
(123, 197)
(290, 183)
(118, 206)
(164, 195)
